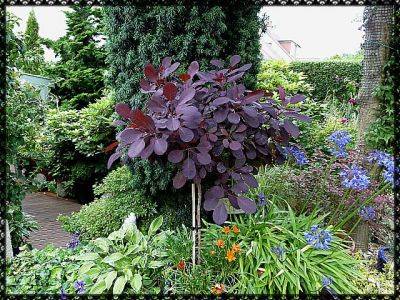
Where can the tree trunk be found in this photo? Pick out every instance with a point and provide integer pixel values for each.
(9, 250)
(377, 23)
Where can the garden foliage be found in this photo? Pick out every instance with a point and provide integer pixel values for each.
(330, 77)
(211, 126)
(116, 199)
(198, 32)
(81, 66)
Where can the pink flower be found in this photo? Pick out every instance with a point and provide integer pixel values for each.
(353, 101)
(344, 120)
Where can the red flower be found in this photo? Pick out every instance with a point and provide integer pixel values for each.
(181, 265)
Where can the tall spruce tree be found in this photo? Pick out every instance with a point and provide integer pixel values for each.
(81, 66)
(32, 60)
(141, 34)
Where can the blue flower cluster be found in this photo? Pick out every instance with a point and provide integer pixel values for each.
(74, 242)
(355, 178)
(261, 199)
(63, 295)
(367, 213)
(298, 155)
(384, 160)
(79, 286)
(326, 281)
(319, 238)
(278, 250)
(340, 138)
(382, 255)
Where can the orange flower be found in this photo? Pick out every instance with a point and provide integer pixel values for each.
(235, 229)
(218, 289)
(220, 243)
(181, 265)
(226, 230)
(212, 252)
(230, 256)
(235, 248)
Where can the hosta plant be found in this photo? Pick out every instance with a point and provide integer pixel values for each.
(211, 126)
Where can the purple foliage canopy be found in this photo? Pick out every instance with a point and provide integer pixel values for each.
(211, 126)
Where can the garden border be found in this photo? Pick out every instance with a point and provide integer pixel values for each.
(216, 2)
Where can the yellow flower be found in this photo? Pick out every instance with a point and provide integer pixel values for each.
(235, 229)
(212, 252)
(235, 248)
(230, 256)
(226, 230)
(220, 243)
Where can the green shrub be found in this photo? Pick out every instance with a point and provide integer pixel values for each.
(116, 200)
(126, 261)
(275, 73)
(340, 78)
(74, 142)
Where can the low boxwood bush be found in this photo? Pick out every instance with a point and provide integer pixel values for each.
(116, 200)
(326, 77)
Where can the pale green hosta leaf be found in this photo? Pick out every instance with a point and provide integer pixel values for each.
(155, 225)
(110, 259)
(85, 267)
(87, 256)
(119, 285)
(110, 279)
(98, 288)
(136, 282)
(102, 243)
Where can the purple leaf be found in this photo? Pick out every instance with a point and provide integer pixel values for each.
(204, 158)
(292, 129)
(160, 146)
(235, 145)
(242, 127)
(123, 110)
(150, 72)
(136, 148)
(220, 101)
(282, 94)
(148, 150)
(250, 180)
(234, 118)
(212, 137)
(193, 68)
(179, 180)
(297, 98)
(220, 115)
(216, 192)
(247, 205)
(251, 154)
(187, 95)
(173, 124)
(235, 77)
(210, 204)
(113, 158)
(220, 214)
(171, 69)
(225, 142)
(250, 111)
(298, 116)
(186, 134)
(166, 62)
(240, 187)
(253, 96)
(175, 156)
(189, 168)
(144, 85)
(129, 135)
(235, 59)
(241, 69)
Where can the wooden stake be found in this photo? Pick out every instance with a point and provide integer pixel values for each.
(198, 218)
(194, 223)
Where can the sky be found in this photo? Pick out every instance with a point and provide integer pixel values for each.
(320, 31)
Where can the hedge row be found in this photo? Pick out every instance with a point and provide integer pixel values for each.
(329, 76)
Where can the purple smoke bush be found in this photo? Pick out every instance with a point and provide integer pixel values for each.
(211, 126)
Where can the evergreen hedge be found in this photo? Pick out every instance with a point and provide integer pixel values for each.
(328, 76)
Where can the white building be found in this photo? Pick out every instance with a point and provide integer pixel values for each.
(272, 47)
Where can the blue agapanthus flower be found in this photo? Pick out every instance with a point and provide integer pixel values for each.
(326, 281)
(74, 242)
(63, 295)
(261, 199)
(355, 178)
(381, 254)
(278, 250)
(380, 157)
(319, 238)
(79, 286)
(367, 213)
(340, 139)
(298, 155)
